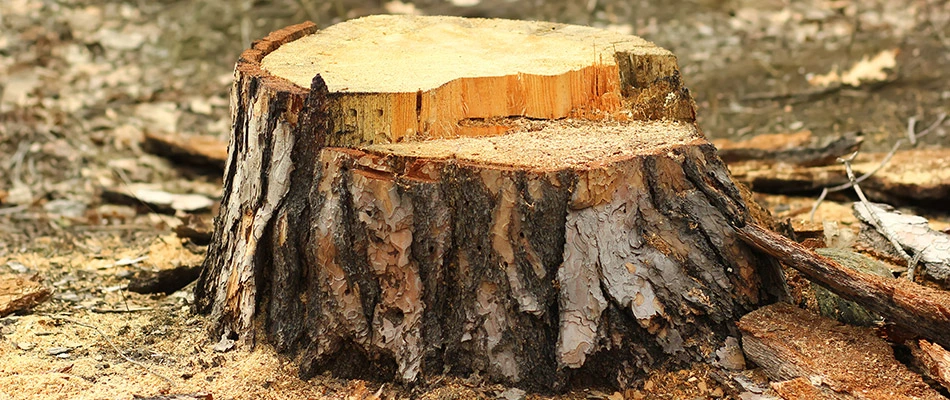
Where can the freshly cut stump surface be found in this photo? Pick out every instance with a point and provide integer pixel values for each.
(412, 196)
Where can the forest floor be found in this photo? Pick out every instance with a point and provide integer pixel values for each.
(83, 81)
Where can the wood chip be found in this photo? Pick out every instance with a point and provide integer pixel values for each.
(18, 294)
(799, 388)
(934, 360)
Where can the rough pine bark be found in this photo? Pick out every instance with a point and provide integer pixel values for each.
(408, 259)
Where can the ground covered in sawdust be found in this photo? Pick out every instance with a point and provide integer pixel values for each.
(83, 81)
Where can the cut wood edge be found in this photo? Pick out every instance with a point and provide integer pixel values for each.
(559, 71)
(933, 359)
(550, 145)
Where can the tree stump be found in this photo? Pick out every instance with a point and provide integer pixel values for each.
(411, 196)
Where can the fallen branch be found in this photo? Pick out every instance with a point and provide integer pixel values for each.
(918, 309)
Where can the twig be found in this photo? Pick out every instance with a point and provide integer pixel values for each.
(911, 124)
(120, 352)
(932, 126)
(876, 221)
(120, 310)
(850, 183)
(12, 210)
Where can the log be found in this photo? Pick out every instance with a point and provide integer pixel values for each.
(837, 361)
(919, 177)
(532, 202)
(800, 149)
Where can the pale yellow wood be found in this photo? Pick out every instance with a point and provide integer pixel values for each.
(554, 145)
(405, 78)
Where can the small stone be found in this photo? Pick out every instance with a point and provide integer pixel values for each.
(26, 346)
(65, 208)
(17, 267)
(55, 351)
(730, 355)
(513, 394)
(223, 345)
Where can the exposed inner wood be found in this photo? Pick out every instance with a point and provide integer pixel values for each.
(554, 145)
(407, 78)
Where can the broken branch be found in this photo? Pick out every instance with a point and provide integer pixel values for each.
(918, 309)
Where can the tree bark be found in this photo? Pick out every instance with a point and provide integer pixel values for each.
(582, 238)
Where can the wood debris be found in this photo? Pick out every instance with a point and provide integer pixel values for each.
(194, 228)
(156, 199)
(914, 176)
(164, 280)
(933, 360)
(867, 70)
(204, 151)
(20, 294)
(918, 309)
(929, 247)
(837, 360)
(800, 148)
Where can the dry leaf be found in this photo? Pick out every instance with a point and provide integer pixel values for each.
(866, 70)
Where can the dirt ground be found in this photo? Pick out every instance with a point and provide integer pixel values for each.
(83, 81)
